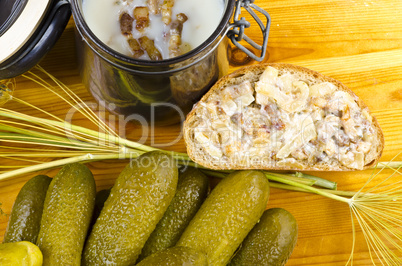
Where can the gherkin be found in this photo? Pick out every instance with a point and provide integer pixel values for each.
(192, 189)
(67, 213)
(227, 215)
(137, 201)
(176, 256)
(270, 242)
(20, 253)
(24, 223)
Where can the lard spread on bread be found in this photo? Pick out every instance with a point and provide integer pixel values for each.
(281, 116)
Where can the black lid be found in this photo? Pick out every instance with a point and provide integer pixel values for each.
(28, 30)
(10, 9)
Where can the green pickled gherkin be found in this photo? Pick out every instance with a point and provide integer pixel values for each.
(22, 253)
(24, 222)
(137, 201)
(175, 256)
(192, 189)
(270, 242)
(227, 215)
(67, 213)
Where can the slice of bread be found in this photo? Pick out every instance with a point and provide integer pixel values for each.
(282, 117)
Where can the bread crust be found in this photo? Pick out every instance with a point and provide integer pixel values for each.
(253, 73)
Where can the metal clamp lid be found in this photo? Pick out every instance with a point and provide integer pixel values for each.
(236, 34)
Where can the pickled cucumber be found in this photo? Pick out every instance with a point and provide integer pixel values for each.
(22, 253)
(270, 242)
(137, 202)
(27, 210)
(192, 189)
(176, 256)
(66, 215)
(227, 215)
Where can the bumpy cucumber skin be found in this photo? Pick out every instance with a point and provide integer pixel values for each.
(192, 189)
(24, 223)
(227, 215)
(175, 256)
(270, 242)
(137, 201)
(20, 253)
(67, 213)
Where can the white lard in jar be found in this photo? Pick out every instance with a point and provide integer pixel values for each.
(103, 18)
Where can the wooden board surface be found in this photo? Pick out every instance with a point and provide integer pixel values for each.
(356, 42)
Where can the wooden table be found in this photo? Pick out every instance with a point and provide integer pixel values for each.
(356, 42)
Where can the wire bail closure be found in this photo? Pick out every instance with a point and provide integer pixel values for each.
(236, 34)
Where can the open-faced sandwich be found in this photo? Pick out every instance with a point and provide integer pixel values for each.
(283, 117)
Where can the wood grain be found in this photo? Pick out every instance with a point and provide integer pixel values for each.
(356, 42)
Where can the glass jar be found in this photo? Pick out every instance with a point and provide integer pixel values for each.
(157, 91)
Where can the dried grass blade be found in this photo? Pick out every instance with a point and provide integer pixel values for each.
(76, 101)
(378, 211)
(21, 159)
(58, 163)
(27, 132)
(74, 133)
